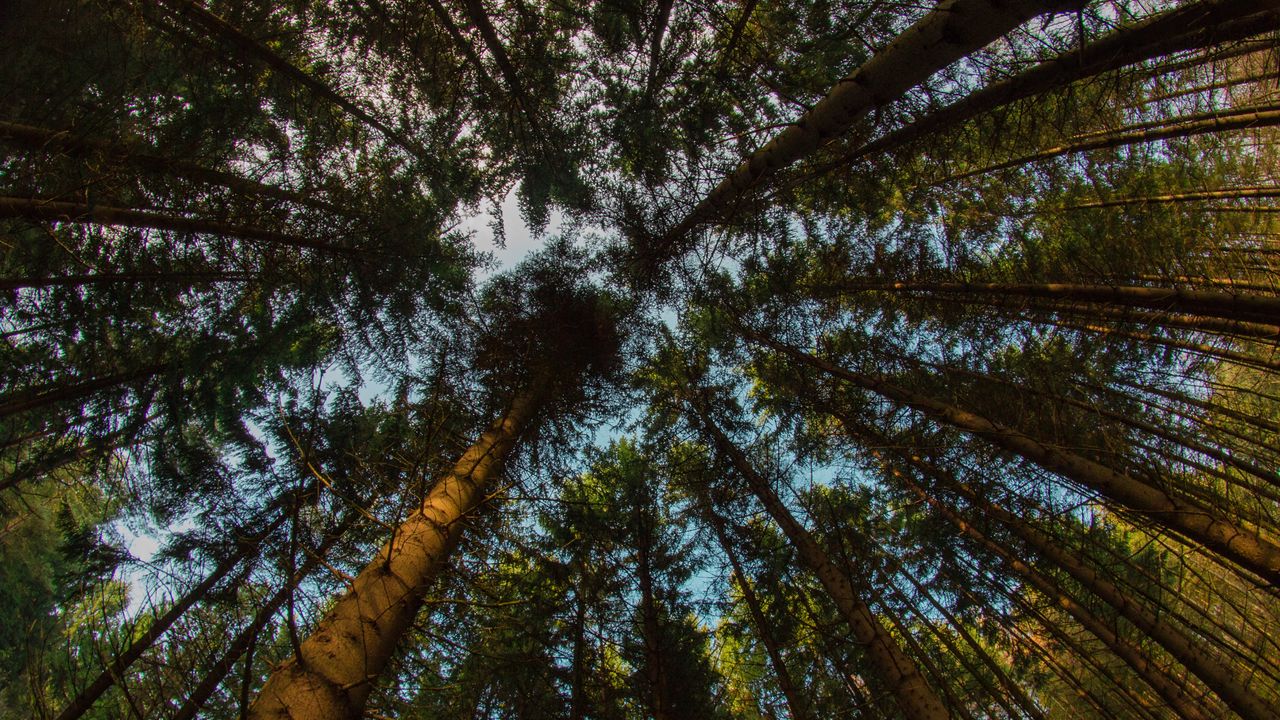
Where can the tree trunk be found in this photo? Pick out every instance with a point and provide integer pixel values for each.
(59, 211)
(339, 662)
(895, 669)
(189, 278)
(949, 32)
(1201, 524)
(84, 700)
(1190, 126)
(1212, 303)
(255, 50)
(43, 396)
(655, 670)
(65, 141)
(1195, 25)
(790, 691)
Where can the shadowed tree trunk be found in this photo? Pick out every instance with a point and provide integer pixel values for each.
(790, 691)
(949, 32)
(1206, 526)
(895, 669)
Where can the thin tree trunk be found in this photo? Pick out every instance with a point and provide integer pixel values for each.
(1220, 121)
(797, 707)
(1165, 199)
(59, 211)
(65, 141)
(655, 670)
(1201, 524)
(1195, 25)
(1213, 303)
(190, 278)
(480, 19)
(332, 677)
(84, 700)
(255, 50)
(36, 398)
(895, 669)
(951, 31)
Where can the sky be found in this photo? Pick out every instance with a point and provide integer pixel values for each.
(521, 241)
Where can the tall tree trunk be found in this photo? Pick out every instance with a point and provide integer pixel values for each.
(1216, 675)
(1195, 25)
(188, 278)
(1190, 126)
(65, 141)
(896, 670)
(115, 669)
(59, 211)
(1203, 525)
(254, 50)
(339, 662)
(795, 704)
(651, 631)
(951, 31)
(1212, 303)
(43, 396)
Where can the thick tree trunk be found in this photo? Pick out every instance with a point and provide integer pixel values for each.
(59, 211)
(896, 670)
(84, 700)
(240, 645)
(795, 704)
(951, 31)
(1203, 525)
(350, 646)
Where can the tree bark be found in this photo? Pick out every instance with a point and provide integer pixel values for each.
(255, 50)
(1221, 121)
(84, 700)
(1203, 525)
(332, 677)
(951, 31)
(65, 141)
(895, 669)
(1261, 309)
(797, 707)
(59, 211)
(1195, 25)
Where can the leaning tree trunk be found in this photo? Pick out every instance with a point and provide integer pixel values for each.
(117, 666)
(1204, 525)
(332, 677)
(1242, 307)
(895, 669)
(790, 691)
(1194, 25)
(951, 31)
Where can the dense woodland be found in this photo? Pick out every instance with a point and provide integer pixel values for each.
(879, 360)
